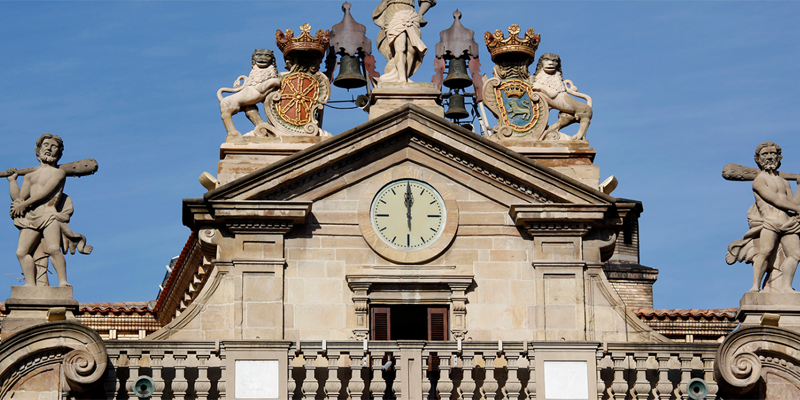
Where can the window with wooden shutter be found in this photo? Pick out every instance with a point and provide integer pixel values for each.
(380, 319)
(437, 324)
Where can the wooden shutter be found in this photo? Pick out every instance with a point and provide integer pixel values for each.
(380, 321)
(437, 324)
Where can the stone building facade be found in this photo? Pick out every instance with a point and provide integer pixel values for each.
(529, 286)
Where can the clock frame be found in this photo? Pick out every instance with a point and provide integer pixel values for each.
(408, 253)
(408, 214)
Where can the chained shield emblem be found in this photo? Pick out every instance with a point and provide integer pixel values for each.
(299, 93)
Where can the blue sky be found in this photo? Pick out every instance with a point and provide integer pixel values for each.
(680, 89)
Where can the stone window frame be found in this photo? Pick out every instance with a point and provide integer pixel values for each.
(434, 289)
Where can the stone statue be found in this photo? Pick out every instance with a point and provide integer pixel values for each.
(250, 90)
(41, 211)
(549, 81)
(772, 244)
(399, 39)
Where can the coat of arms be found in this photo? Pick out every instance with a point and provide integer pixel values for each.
(519, 107)
(299, 94)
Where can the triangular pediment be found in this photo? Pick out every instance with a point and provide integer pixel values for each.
(407, 134)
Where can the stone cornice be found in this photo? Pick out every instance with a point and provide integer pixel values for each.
(245, 215)
(524, 214)
(362, 282)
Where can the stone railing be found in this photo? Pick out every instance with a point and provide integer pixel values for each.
(179, 370)
(387, 370)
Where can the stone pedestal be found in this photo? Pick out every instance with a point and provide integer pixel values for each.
(753, 305)
(242, 155)
(389, 96)
(29, 306)
(570, 157)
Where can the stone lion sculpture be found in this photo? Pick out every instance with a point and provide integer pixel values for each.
(249, 90)
(549, 81)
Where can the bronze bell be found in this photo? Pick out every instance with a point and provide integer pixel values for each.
(350, 76)
(456, 109)
(457, 77)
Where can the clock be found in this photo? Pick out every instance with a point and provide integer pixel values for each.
(408, 215)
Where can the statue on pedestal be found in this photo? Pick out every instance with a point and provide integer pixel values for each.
(772, 244)
(41, 211)
(549, 81)
(400, 38)
(250, 90)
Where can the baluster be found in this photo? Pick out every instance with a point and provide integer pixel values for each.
(530, 390)
(619, 389)
(708, 375)
(202, 386)
(445, 385)
(489, 389)
(111, 384)
(310, 384)
(397, 386)
(333, 385)
(378, 386)
(133, 373)
(642, 386)
(156, 365)
(601, 384)
(686, 374)
(291, 385)
(467, 388)
(513, 386)
(426, 380)
(179, 384)
(356, 386)
(222, 386)
(664, 387)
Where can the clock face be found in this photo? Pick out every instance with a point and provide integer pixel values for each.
(408, 214)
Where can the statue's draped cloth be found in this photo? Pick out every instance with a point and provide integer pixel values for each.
(56, 211)
(396, 17)
(746, 248)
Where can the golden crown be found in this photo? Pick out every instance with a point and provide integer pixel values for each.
(288, 43)
(515, 89)
(498, 44)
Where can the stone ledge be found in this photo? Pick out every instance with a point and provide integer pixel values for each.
(390, 96)
(771, 301)
(41, 293)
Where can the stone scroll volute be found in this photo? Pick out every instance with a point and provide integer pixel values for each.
(758, 361)
(72, 358)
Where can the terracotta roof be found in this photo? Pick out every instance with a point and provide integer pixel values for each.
(175, 272)
(139, 307)
(724, 313)
(697, 325)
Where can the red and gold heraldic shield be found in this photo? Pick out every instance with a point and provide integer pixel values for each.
(299, 94)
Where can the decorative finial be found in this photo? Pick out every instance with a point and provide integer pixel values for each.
(457, 41)
(349, 37)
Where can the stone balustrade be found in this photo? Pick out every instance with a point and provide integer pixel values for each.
(409, 370)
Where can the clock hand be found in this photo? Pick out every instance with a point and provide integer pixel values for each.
(409, 201)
